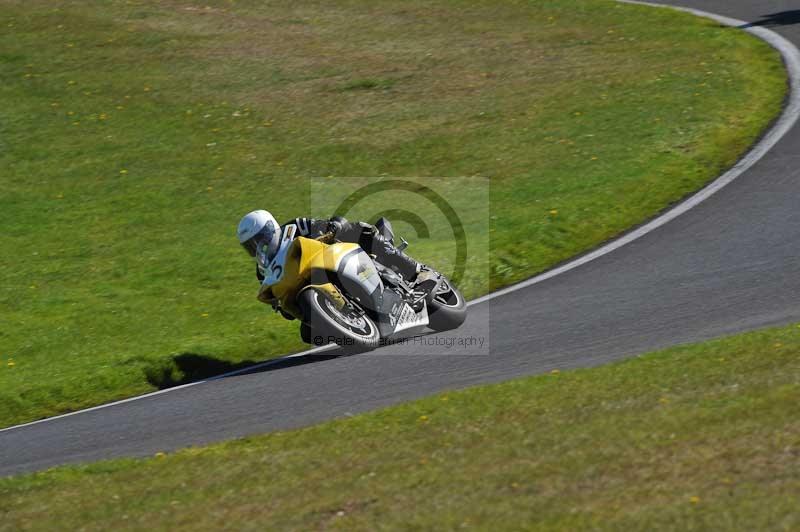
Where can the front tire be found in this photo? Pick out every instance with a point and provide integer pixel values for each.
(348, 328)
(447, 308)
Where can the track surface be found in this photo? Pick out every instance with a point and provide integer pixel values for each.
(731, 264)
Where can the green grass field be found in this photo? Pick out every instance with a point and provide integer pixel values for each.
(703, 437)
(134, 134)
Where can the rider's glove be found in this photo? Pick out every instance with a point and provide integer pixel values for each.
(336, 224)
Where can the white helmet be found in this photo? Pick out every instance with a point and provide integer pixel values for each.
(259, 232)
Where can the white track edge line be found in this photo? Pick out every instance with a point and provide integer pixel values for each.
(791, 112)
(791, 58)
(260, 365)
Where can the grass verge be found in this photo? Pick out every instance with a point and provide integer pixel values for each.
(133, 135)
(698, 437)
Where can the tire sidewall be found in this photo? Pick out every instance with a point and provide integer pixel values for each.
(443, 317)
(323, 325)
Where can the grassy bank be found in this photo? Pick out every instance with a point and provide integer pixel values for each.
(699, 437)
(133, 135)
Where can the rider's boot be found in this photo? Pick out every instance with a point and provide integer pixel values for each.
(414, 273)
(393, 258)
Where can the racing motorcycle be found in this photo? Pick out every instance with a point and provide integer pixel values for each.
(342, 296)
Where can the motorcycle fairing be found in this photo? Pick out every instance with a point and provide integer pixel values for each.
(301, 262)
(395, 315)
(360, 279)
(275, 268)
(293, 266)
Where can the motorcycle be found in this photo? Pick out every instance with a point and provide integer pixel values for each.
(342, 296)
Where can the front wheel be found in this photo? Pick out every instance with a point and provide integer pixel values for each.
(347, 327)
(447, 308)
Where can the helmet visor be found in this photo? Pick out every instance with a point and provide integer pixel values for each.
(251, 246)
(264, 243)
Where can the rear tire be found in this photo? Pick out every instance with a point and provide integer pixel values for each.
(447, 308)
(323, 323)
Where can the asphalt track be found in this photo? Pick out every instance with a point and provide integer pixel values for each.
(729, 264)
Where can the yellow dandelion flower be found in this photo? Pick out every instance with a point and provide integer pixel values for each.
(554, 212)
(123, 171)
(147, 89)
(694, 499)
(204, 314)
(423, 418)
(71, 82)
(11, 364)
(594, 157)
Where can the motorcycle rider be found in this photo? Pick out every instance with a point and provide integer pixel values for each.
(260, 235)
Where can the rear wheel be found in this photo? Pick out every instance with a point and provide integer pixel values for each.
(447, 308)
(324, 323)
